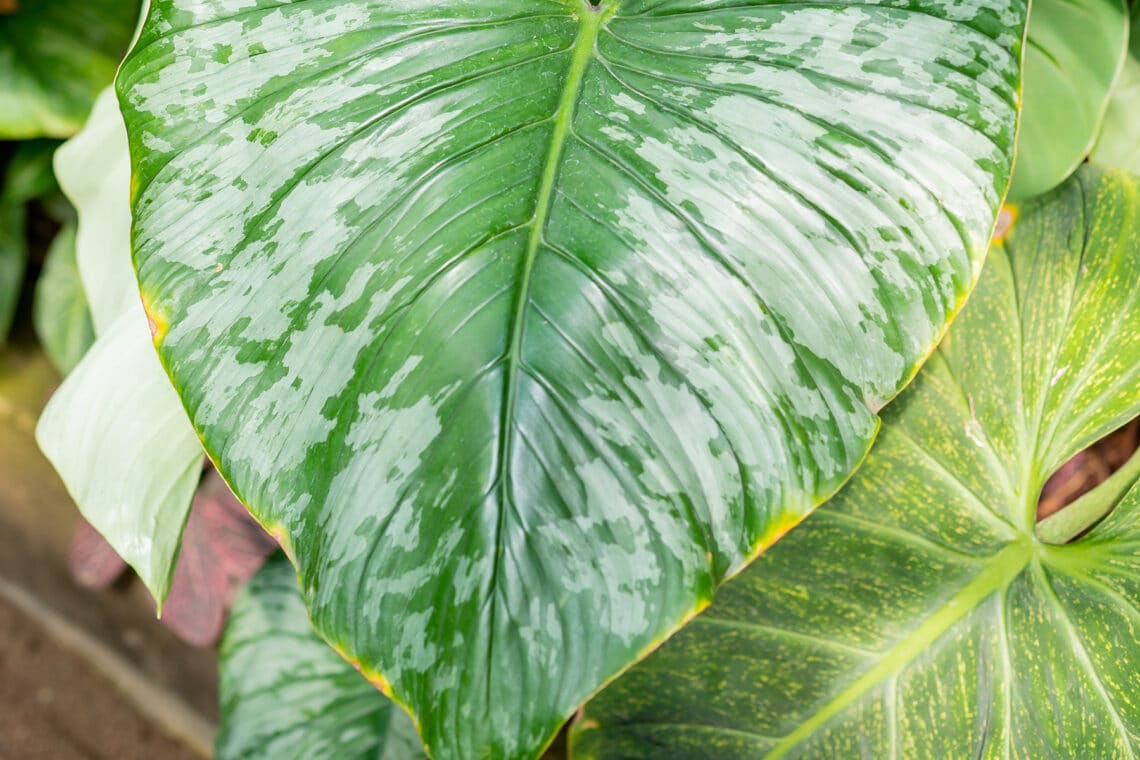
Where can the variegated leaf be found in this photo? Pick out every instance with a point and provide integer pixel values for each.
(525, 325)
(285, 695)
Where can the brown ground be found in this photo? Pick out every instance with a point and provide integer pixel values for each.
(56, 708)
(54, 704)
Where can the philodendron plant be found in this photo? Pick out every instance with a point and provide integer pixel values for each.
(523, 327)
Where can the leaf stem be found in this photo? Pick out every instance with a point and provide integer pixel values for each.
(1073, 520)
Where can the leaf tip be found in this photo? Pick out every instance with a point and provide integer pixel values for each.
(278, 533)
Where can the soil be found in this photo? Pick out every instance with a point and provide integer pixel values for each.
(54, 703)
(55, 707)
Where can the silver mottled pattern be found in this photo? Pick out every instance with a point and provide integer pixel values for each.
(524, 326)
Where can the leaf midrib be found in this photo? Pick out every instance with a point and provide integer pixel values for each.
(589, 25)
(994, 575)
(590, 22)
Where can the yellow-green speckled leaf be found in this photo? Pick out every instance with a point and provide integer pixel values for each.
(917, 615)
(524, 325)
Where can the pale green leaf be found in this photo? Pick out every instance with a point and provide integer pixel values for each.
(119, 438)
(1073, 54)
(60, 313)
(94, 172)
(116, 431)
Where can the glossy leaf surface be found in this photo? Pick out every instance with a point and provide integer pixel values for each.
(916, 614)
(286, 696)
(1119, 141)
(55, 56)
(1074, 53)
(524, 325)
(116, 431)
(60, 313)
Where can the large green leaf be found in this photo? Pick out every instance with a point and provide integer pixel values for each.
(1075, 50)
(55, 56)
(116, 431)
(917, 614)
(1119, 140)
(524, 325)
(285, 695)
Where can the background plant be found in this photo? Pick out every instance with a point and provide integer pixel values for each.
(54, 58)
